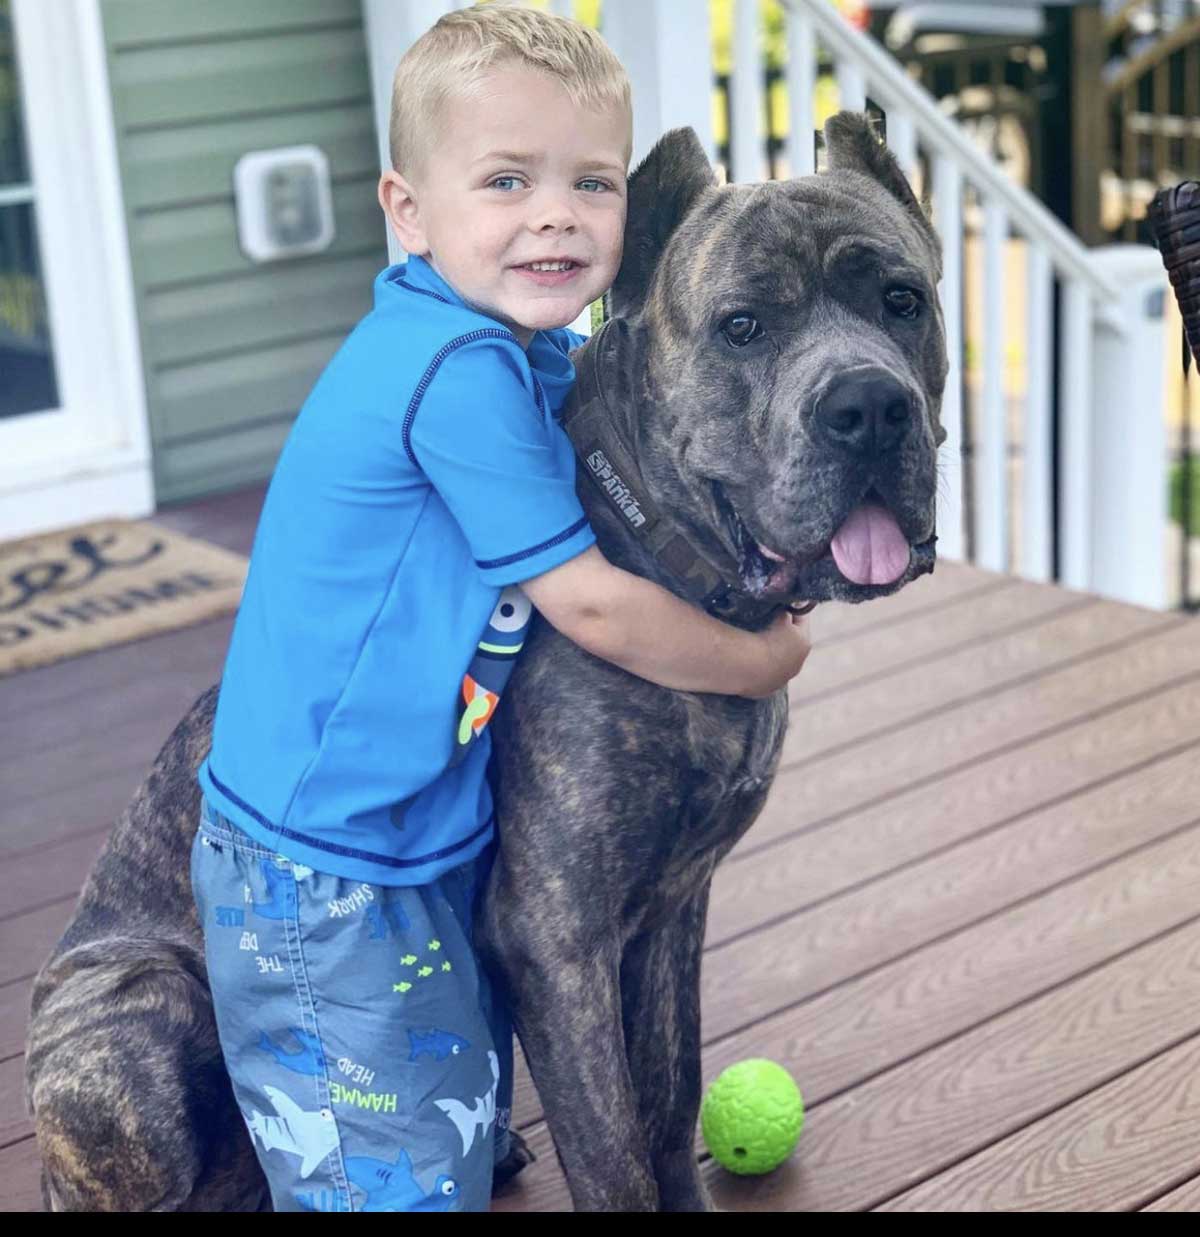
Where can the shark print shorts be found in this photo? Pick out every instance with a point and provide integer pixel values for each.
(369, 1058)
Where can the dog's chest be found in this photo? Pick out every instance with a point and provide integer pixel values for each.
(724, 759)
(642, 790)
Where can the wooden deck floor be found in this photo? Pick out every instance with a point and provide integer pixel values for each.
(968, 920)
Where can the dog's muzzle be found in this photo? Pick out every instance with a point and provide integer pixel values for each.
(867, 556)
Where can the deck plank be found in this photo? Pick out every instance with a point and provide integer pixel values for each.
(49, 874)
(26, 941)
(70, 810)
(160, 677)
(788, 871)
(843, 657)
(1108, 1151)
(14, 1018)
(845, 781)
(14, 1123)
(883, 702)
(1184, 1198)
(20, 1170)
(799, 958)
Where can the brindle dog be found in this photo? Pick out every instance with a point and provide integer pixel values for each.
(775, 364)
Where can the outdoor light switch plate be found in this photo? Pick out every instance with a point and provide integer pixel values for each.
(284, 204)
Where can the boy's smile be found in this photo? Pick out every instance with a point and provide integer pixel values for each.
(520, 203)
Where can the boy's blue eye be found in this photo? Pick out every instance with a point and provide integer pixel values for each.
(500, 181)
(591, 180)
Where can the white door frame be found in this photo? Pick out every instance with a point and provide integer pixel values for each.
(91, 456)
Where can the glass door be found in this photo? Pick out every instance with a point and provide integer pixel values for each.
(28, 382)
(74, 440)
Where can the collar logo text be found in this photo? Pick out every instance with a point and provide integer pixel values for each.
(610, 481)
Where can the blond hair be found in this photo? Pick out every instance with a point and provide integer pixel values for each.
(454, 55)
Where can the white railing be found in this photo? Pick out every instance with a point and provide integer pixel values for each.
(666, 48)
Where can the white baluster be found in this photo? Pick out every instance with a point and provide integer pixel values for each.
(902, 140)
(947, 202)
(667, 52)
(852, 85)
(801, 86)
(1075, 398)
(991, 446)
(747, 92)
(1037, 530)
(391, 30)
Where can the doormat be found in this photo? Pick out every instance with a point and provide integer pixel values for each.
(87, 587)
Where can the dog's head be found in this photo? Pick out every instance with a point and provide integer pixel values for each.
(790, 358)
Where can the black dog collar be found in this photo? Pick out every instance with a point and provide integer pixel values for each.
(614, 470)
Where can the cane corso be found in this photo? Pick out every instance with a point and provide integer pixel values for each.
(756, 426)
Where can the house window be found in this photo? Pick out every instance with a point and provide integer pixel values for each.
(27, 377)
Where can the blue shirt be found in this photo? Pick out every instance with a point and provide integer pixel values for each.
(425, 473)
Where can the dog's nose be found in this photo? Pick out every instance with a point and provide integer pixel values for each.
(866, 412)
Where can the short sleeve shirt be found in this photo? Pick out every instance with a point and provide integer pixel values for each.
(425, 476)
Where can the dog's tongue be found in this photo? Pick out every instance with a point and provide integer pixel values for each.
(870, 548)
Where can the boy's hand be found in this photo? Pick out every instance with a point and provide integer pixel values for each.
(644, 629)
(786, 645)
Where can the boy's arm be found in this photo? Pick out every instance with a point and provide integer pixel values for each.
(648, 631)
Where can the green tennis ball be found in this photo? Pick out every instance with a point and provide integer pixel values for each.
(752, 1116)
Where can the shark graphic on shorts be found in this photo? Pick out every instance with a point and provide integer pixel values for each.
(310, 1135)
(392, 1187)
(309, 1060)
(470, 1121)
(282, 897)
(438, 1044)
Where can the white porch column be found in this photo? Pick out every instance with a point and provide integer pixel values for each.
(666, 50)
(392, 27)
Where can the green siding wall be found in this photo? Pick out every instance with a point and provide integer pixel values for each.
(231, 348)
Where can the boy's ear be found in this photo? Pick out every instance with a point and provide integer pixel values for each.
(663, 188)
(399, 204)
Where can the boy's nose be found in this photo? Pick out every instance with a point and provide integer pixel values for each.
(553, 210)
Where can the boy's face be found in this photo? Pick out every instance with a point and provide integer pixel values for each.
(518, 174)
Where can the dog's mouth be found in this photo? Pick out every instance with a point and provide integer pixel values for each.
(868, 555)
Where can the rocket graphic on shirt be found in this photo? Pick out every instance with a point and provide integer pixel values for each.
(491, 667)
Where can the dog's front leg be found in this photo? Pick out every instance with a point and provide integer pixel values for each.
(564, 993)
(660, 984)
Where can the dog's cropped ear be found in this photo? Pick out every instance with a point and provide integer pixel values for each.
(853, 147)
(662, 189)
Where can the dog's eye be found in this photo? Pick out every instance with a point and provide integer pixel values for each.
(740, 329)
(904, 302)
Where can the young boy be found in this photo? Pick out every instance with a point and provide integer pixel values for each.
(424, 500)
